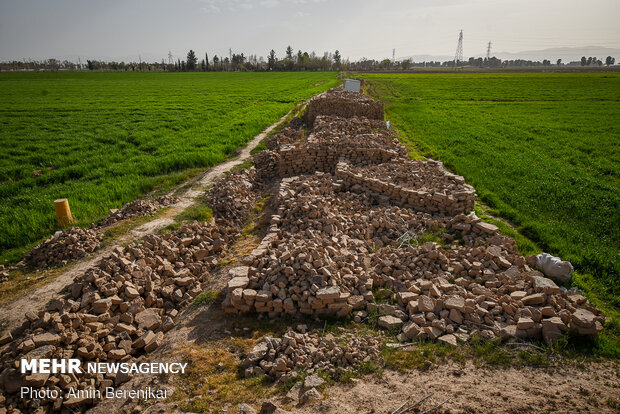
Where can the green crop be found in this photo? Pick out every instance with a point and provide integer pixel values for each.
(104, 139)
(542, 150)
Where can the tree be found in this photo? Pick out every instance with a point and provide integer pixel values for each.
(207, 61)
(559, 62)
(610, 60)
(191, 60)
(337, 59)
(583, 61)
(271, 60)
(289, 52)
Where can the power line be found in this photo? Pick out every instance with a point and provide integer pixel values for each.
(489, 51)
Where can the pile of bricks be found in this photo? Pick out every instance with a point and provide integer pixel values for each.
(343, 104)
(354, 216)
(233, 196)
(69, 244)
(116, 311)
(137, 208)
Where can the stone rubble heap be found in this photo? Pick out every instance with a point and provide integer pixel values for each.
(358, 140)
(269, 171)
(320, 240)
(233, 196)
(282, 358)
(66, 245)
(343, 104)
(392, 223)
(116, 311)
(290, 134)
(422, 185)
(137, 208)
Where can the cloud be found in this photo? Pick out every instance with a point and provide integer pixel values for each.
(269, 3)
(216, 6)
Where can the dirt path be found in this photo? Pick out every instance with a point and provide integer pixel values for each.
(470, 389)
(35, 300)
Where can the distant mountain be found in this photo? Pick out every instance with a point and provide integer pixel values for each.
(567, 54)
(427, 58)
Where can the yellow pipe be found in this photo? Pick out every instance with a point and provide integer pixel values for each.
(63, 212)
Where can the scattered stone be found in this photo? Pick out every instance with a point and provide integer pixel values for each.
(535, 299)
(294, 394)
(554, 267)
(313, 381)
(525, 323)
(390, 322)
(553, 328)
(311, 395)
(246, 409)
(274, 357)
(137, 208)
(5, 338)
(583, 318)
(268, 407)
(448, 339)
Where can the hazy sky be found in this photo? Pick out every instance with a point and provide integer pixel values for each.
(124, 29)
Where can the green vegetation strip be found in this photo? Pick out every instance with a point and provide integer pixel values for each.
(104, 139)
(541, 149)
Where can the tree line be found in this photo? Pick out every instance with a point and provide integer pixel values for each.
(593, 61)
(290, 61)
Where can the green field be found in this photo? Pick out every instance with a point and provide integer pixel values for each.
(103, 139)
(542, 150)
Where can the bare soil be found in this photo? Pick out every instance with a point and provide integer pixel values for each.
(471, 389)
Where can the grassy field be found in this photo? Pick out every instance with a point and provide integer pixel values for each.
(542, 150)
(103, 139)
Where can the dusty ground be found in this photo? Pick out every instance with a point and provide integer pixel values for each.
(469, 389)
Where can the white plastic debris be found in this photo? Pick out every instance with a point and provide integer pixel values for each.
(554, 267)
